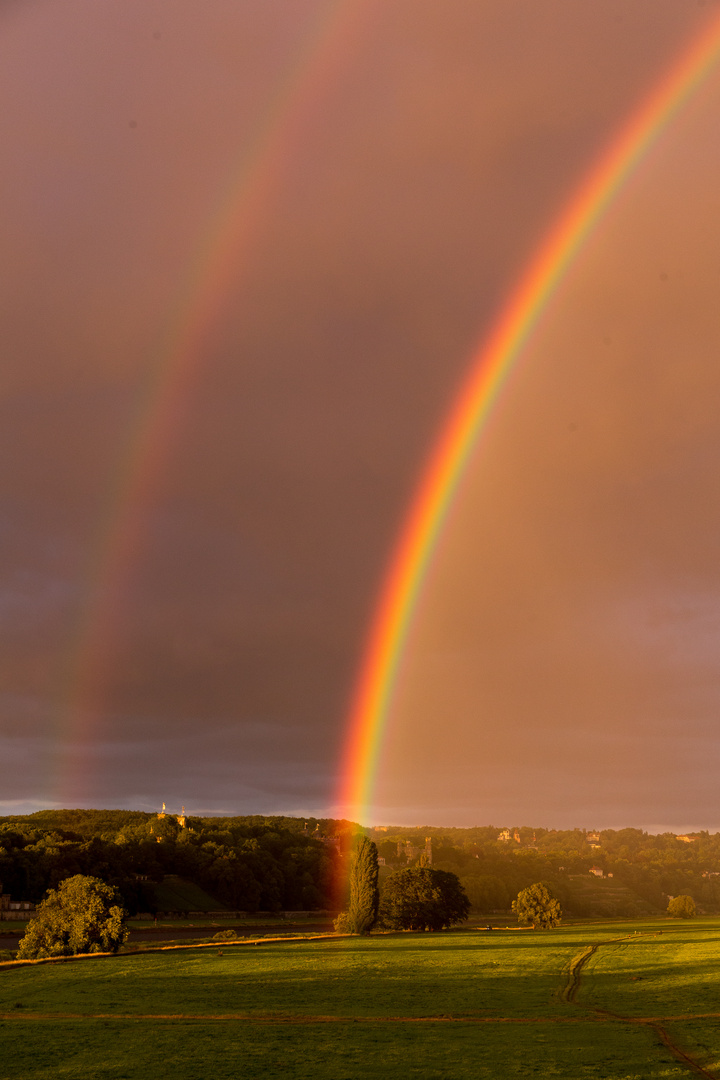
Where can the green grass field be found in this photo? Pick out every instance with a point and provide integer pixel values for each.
(621, 1000)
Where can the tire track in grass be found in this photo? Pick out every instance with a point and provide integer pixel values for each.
(675, 1050)
(569, 994)
(569, 991)
(680, 1054)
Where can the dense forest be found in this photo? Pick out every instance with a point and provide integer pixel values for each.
(289, 864)
(248, 863)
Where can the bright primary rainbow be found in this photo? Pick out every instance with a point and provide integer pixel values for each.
(489, 369)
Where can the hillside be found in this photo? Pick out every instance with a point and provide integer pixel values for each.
(273, 863)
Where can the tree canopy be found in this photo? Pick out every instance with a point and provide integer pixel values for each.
(537, 907)
(83, 915)
(421, 898)
(241, 863)
(682, 907)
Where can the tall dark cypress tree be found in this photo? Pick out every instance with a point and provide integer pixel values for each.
(364, 892)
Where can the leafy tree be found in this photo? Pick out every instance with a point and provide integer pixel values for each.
(364, 893)
(83, 915)
(537, 907)
(682, 907)
(421, 898)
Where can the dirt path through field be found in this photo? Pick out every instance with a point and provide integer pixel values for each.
(571, 987)
(271, 1018)
(569, 994)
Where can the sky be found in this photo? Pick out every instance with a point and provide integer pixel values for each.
(249, 251)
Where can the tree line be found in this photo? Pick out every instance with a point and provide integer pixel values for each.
(648, 867)
(272, 863)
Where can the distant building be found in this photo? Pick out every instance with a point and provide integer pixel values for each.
(407, 850)
(180, 818)
(504, 836)
(597, 871)
(687, 839)
(593, 837)
(14, 909)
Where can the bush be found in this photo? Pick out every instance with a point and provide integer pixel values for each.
(225, 935)
(82, 916)
(681, 907)
(344, 924)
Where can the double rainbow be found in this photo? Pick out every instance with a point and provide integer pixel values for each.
(244, 202)
(489, 368)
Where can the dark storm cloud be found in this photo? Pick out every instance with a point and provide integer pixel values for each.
(424, 173)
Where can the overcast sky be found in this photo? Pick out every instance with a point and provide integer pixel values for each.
(194, 528)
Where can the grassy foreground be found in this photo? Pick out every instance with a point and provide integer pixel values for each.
(622, 1001)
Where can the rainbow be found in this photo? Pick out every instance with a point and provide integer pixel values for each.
(234, 225)
(489, 368)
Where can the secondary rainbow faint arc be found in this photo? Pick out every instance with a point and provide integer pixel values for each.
(489, 368)
(241, 209)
